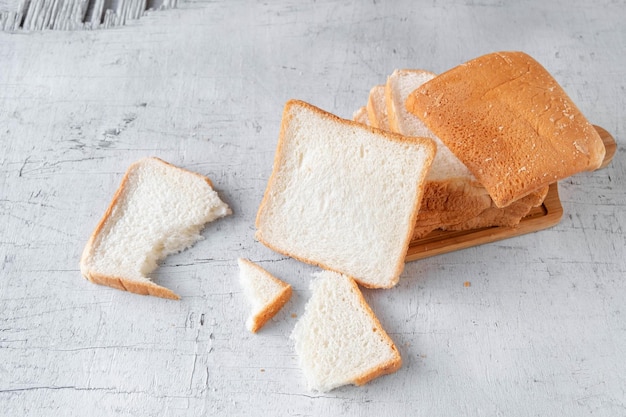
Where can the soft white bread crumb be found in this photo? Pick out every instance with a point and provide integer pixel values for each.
(338, 339)
(265, 293)
(343, 195)
(158, 209)
(400, 84)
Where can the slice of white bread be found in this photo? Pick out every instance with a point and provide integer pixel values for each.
(157, 210)
(343, 195)
(535, 133)
(338, 339)
(266, 293)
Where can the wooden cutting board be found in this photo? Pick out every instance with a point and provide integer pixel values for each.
(542, 217)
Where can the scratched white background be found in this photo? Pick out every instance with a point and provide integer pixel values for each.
(541, 330)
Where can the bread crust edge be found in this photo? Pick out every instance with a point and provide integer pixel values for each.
(273, 307)
(386, 367)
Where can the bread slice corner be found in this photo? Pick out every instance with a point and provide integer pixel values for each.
(266, 293)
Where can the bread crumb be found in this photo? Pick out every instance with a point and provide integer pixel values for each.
(294, 315)
(262, 370)
(467, 284)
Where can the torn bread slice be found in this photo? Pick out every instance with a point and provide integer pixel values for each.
(338, 339)
(510, 123)
(343, 195)
(158, 209)
(266, 293)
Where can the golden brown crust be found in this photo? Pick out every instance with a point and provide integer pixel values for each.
(279, 156)
(384, 369)
(510, 123)
(422, 231)
(491, 216)
(447, 203)
(137, 287)
(121, 283)
(451, 201)
(536, 197)
(508, 216)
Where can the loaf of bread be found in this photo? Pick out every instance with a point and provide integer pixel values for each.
(453, 198)
(343, 195)
(508, 120)
(158, 209)
(266, 294)
(338, 339)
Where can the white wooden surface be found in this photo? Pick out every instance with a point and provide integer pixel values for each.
(541, 330)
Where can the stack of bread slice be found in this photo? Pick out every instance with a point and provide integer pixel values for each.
(509, 121)
(453, 198)
(159, 209)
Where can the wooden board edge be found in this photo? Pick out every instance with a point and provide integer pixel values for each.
(609, 145)
(545, 216)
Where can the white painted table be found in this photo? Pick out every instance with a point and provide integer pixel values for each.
(541, 331)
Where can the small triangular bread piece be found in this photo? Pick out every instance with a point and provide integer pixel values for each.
(158, 209)
(338, 339)
(266, 293)
(510, 123)
(343, 195)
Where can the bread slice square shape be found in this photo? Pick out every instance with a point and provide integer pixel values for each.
(509, 121)
(343, 195)
(158, 209)
(338, 339)
(265, 293)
